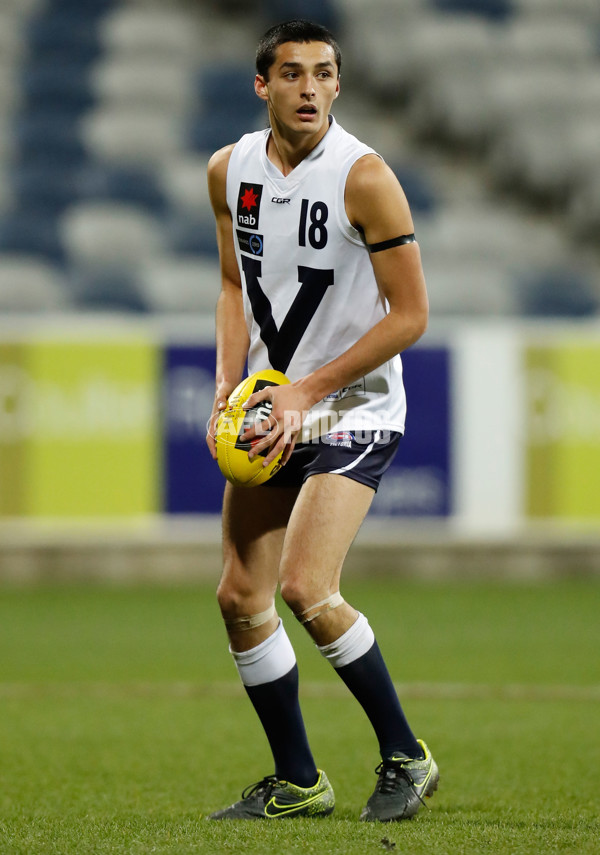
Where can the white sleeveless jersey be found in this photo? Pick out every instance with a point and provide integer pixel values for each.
(308, 284)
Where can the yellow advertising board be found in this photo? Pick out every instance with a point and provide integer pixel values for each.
(12, 429)
(563, 431)
(79, 427)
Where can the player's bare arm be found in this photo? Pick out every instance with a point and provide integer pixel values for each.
(231, 332)
(377, 206)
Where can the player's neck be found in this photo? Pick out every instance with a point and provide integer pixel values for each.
(286, 149)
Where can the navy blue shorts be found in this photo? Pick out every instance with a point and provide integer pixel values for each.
(361, 455)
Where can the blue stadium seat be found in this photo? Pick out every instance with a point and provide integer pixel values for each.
(55, 36)
(35, 187)
(189, 236)
(321, 11)
(558, 293)
(56, 86)
(497, 10)
(417, 187)
(229, 107)
(49, 138)
(106, 290)
(31, 232)
(228, 88)
(89, 8)
(134, 186)
(208, 133)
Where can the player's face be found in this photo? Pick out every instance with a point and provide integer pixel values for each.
(303, 83)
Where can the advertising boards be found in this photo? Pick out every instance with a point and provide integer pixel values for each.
(78, 427)
(563, 430)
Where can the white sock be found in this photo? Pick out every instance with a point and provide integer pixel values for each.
(353, 644)
(268, 661)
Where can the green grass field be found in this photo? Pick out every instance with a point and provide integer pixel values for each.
(122, 723)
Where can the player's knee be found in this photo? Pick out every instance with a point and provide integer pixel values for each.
(308, 603)
(294, 594)
(299, 596)
(232, 599)
(242, 606)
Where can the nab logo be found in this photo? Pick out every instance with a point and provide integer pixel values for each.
(248, 207)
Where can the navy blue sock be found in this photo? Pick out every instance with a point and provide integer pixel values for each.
(278, 709)
(369, 681)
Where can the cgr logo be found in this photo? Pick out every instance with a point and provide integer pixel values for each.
(279, 201)
(248, 207)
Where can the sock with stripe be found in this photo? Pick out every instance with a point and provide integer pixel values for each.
(357, 659)
(270, 676)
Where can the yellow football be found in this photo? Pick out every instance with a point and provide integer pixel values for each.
(233, 421)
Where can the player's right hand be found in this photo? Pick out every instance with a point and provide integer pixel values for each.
(219, 404)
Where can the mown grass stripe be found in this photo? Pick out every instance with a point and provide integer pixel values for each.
(417, 691)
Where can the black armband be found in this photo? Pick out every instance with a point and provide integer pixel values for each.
(388, 244)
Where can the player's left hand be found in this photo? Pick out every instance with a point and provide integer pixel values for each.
(278, 432)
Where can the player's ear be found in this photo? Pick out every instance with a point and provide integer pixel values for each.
(260, 87)
(337, 88)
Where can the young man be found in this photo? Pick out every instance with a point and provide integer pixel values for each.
(321, 279)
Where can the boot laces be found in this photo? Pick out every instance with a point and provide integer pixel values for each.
(391, 776)
(262, 788)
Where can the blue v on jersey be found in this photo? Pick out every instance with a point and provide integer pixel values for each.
(308, 284)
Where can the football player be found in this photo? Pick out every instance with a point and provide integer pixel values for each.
(322, 280)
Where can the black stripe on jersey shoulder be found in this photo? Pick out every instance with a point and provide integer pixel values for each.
(388, 244)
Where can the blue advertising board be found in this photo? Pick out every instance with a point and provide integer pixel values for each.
(192, 482)
(418, 483)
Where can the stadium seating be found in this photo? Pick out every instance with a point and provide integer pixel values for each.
(470, 287)
(110, 235)
(512, 90)
(55, 33)
(181, 284)
(497, 10)
(152, 30)
(31, 285)
(324, 13)
(487, 110)
(562, 38)
(557, 293)
(583, 213)
(30, 232)
(106, 289)
(183, 182)
(584, 10)
(126, 136)
(145, 81)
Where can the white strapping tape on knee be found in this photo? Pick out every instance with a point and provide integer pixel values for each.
(324, 606)
(241, 624)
